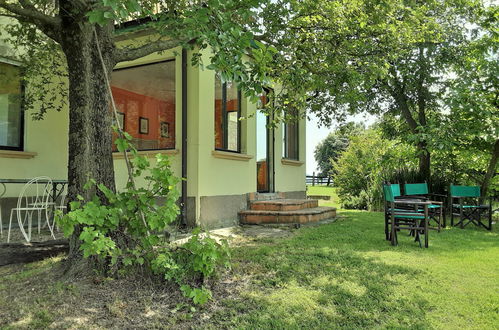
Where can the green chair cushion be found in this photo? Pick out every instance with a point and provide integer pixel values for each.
(409, 216)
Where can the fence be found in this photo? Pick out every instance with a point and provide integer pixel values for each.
(318, 180)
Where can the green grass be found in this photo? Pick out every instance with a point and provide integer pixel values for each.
(345, 275)
(325, 191)
(337, 275)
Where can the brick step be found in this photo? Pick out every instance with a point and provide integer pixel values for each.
(298, 216)
(283, 205)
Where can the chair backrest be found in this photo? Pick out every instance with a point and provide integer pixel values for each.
(390, 191)
(416, 188)
(464, 191)
(37, 192)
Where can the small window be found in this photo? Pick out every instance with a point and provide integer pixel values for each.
(227, 113)
(291, 141)
(11, 113)
(145, 98)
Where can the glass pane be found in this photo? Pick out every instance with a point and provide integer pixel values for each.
(261, 152)
(226, 115)
(232, 131)
(145, 98)
(232, 108)
(10, 106)
(219, 137)
(291, 141)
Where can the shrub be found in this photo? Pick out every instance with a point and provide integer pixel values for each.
(369, 161)
(126, 230)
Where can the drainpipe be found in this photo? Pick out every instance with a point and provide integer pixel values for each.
(184, 137)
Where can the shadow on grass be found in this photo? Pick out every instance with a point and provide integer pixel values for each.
(306, 282)
(342, 274)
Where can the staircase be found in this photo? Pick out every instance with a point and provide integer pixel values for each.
(276, 210)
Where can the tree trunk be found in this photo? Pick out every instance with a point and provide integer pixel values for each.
(424, 161)
(491, 170)
(90, 134)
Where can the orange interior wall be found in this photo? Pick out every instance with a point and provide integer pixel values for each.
(135, 105)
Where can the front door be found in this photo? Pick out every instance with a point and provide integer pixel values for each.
(264, 153)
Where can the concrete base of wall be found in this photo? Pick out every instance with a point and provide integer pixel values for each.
(221, 211)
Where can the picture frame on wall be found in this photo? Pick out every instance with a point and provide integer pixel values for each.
(121, 120)
(143, 125)
(165, 129)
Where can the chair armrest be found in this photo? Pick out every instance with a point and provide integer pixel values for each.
(411, 197)
(412, 202)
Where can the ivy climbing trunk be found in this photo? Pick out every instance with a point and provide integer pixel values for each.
(90, 134)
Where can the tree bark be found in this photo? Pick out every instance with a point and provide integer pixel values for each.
(491, 170)
(90, 134)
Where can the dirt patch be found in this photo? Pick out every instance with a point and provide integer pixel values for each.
(35, 296)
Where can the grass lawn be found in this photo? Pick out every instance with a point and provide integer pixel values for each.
(337, 275)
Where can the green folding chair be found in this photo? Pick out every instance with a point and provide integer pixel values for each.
(436, 208)
(468, 210)
(404, 214)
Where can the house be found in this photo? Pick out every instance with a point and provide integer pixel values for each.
(225, 160)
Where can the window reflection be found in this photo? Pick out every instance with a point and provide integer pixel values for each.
(227, 113)
(145, 98)
(10, 107)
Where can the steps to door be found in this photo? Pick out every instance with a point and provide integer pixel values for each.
(289, 211)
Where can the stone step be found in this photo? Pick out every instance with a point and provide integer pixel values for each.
(265, 196)
(256, 217)
(283, 205)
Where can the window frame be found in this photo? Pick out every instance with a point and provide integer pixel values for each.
(22, 106)
(286, 141)
(225, 126)
(147, 64)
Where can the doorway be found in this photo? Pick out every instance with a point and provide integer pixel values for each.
(264, 153)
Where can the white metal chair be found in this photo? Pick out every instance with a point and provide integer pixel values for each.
(34, 197)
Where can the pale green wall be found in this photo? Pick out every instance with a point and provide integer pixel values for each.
(290, 177)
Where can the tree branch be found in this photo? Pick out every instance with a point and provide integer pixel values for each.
(130, 54)
(30, 13)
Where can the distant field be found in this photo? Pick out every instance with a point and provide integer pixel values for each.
(325, 191)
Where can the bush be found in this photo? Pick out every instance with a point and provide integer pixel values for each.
(126, 230)
(369, 161)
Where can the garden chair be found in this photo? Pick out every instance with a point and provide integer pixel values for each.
(436, 208)
(35, 196)
(468, 208)
(404, 214)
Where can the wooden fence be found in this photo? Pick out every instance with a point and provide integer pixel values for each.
(318, 180)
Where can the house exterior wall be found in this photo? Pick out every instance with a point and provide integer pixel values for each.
(218, 182)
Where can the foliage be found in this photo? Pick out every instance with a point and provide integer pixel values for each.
(390, 58)
(142, 240)
(366, 163)
(329, 150)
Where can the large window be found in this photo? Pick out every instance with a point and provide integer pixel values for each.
(11, 114)
(291, 141)
(145, 98)
(227, 113)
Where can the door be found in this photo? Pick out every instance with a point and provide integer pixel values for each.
(264, 153)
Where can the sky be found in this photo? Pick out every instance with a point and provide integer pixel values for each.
(316, 134)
